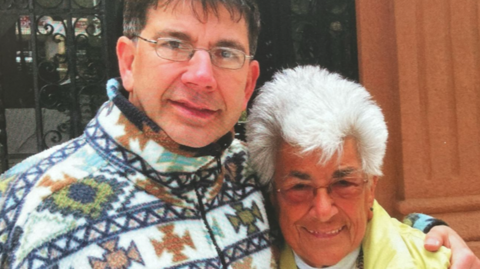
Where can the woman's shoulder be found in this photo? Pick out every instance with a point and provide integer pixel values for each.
(392, 244)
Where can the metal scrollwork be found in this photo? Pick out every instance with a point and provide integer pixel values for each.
(47, 28)
(49, 3)
(81, 40)
(51, 138)
(324, 33)
(94, 28)
(59, 61)
(64, 127)
(91, 97)
(88, 41)
(10, 4)
(58, 38)
(52, 96)
(47, 70)
(88, 3)
(94, 72)
(87, 27)
(52, 56)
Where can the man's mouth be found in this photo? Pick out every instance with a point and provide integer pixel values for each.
(194, 109)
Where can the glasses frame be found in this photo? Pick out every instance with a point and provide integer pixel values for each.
(193, 50)
(315, 189)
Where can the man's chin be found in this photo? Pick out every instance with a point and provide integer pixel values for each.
(193, 139)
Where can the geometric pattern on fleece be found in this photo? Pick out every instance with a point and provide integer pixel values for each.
(19, 189)
(116, 257)
(95, 231)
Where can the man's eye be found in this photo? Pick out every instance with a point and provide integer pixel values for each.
(226, 53)
(171, 44)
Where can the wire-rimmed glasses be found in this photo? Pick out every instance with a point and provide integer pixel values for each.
(344, 187)
(179, 51)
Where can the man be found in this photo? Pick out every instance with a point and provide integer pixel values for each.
(318, 141)
(156, 181)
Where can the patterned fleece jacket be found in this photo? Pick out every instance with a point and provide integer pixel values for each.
(124, 195)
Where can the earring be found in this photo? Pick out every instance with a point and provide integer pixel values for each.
(371, 208)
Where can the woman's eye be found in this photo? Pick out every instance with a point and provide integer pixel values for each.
(344, 184)
(300, 187)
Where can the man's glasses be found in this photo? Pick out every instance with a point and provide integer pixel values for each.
(346, 187)
(176, 50)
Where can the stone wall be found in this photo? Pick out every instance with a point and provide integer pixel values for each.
(421, 61)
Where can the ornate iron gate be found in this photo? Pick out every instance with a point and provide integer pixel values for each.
(299, 32)
(55, 57)
(321, 32)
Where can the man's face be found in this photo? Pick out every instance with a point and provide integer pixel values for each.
(322, 230)
(194, 101)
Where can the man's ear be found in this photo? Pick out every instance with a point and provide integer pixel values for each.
(253, 74)
(371, 195)
(273, 200)
(126, 55)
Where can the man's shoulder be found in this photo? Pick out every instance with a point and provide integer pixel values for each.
(237, 156)
(40, 162)
(237, 146)
(51, 193)
(236, 153)
(26, 185)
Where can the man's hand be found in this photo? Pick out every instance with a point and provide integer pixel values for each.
(462, 256)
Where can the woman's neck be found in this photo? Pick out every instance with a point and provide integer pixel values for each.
(347, 262)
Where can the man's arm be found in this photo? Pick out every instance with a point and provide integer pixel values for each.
(439, 234)
(462, 255)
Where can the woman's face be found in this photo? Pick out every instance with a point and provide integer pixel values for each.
(326, 226)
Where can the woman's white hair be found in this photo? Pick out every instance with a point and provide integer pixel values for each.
(313, 109)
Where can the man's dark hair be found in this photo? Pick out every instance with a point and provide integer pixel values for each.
(135, 14)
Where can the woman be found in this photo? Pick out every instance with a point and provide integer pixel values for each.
(318, 141)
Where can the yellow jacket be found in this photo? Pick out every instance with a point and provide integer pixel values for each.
(391, 244)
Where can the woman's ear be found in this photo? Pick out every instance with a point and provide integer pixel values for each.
(126, 56)
(371, 195)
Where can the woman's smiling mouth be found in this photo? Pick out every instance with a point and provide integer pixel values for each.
(324, 234)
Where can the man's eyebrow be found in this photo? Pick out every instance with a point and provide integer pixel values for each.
(175, 34)
(230, 44)
(343, 172)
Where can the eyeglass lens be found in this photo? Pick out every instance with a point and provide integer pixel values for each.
(345, 188)
(175, 50)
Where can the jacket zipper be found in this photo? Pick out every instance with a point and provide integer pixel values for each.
(210, 232)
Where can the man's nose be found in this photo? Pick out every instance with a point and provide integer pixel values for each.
(323, 206)
(200, 75)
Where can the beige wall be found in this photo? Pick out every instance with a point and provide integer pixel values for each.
(421, 61)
